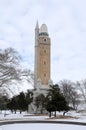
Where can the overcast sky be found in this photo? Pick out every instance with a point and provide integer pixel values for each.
(66, 22)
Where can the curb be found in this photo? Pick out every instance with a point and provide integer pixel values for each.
(38, 121)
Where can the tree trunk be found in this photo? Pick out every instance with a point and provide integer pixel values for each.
(15, 111)
(50, 114)
(20, 111)
(55, 114)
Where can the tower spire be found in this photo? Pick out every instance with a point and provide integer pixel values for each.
(36, 49)
(37, 25)
(36, 33)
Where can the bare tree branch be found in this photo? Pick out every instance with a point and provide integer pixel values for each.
(10, 68)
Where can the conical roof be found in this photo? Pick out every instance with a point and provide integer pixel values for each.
(37, 25)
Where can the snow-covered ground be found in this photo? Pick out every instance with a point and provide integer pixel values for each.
(70, 116)
(42, 127)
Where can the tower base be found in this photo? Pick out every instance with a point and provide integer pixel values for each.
(36, 92)
(39, 89)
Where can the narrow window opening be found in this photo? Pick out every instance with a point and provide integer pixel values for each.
(44, 63)
(44, 75)
(45, 40)
(44, 51)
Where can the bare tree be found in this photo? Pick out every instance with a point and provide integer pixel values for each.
(10, 68)
(82, 88)
(70, 93)
(66, 87)
(75, 98)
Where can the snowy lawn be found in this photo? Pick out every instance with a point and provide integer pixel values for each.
(70, 116)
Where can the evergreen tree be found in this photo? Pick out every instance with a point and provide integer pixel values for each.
(22, 102)
(28, 98)
(55, 100)
(13, 104)
(40, 103)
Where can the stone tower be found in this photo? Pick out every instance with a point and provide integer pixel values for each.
(42, 65)
(42, 56)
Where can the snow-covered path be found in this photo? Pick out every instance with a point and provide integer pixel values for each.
(42, 127)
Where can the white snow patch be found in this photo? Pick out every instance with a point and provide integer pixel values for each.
(42, 127)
